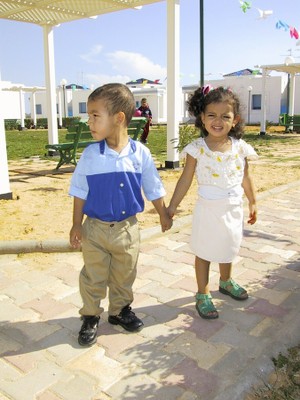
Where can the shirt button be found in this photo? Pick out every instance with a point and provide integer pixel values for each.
(121, 184)
(123, 212)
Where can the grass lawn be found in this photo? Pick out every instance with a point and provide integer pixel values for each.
(25, 144)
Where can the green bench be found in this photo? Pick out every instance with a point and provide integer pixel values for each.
(136, 126)
(291, 122)
(79, 136)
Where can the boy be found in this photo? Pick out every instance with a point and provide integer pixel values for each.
(106, 186)
(145, 112)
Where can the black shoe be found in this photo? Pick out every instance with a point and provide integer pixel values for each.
(88, 332)
(127, 319)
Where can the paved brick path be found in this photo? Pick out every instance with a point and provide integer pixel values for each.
(177, 355)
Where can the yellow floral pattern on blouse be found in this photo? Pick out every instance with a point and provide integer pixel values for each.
(220, 169)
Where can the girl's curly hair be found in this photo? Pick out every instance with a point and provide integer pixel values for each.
(205, 95)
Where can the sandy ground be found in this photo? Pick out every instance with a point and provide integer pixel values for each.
(41, 208)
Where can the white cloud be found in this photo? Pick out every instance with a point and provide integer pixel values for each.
(121, 66)
(94, 52)
(136, 65)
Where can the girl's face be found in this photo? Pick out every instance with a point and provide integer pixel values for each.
(218, 119)
(101, 123)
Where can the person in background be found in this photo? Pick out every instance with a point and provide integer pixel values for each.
(107, 187)
(145, 112)
(219, 160)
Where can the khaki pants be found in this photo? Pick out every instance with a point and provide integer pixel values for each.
(110, 253)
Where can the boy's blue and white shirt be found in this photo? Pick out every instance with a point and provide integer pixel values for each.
(112, 183)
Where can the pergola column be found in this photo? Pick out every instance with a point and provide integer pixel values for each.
(173, 87)
(50, 84)
(5, 193)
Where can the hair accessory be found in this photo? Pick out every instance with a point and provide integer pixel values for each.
(226, 88)
(206, 89)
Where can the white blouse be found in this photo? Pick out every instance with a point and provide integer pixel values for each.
(217, 169)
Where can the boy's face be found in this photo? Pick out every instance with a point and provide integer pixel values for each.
(144, 103)
(101, 123)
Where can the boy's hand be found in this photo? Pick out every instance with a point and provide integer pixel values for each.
(166, 222)
(75, 236)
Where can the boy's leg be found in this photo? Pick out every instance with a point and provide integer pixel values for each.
(94, 275)
(92, 280)
(125, 245)
(145, 132)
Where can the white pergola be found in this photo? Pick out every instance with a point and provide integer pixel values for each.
(21, 89)
(290, 68)
(50, 13)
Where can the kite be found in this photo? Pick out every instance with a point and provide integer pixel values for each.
(245, 5)
(264, 14)
(294, 33)
(280, 24)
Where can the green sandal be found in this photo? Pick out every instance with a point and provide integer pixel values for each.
(233, 290)
(205, 306)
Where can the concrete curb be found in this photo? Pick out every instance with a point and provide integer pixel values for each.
(63, 246)
(35, 246)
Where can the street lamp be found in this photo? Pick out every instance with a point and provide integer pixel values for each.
(201, 31)
(249, 102)
(63, 84)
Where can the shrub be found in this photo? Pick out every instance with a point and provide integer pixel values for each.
(187, 133)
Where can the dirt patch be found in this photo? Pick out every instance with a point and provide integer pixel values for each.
(41, 208)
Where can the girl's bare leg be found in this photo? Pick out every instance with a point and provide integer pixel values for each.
(225, 275)
(202, 275)
(225, 271)
(204, 305)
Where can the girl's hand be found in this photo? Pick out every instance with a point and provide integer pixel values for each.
(171, 211)
(252, 214)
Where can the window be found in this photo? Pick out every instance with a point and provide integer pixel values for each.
(38, 109)
(82, 108)
(256, 102)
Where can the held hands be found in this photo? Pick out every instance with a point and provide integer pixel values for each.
(75, 236)
(166, 222)
(166, 219)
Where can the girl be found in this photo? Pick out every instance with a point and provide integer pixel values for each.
(219, 159)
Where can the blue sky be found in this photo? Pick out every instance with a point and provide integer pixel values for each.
(131, 44)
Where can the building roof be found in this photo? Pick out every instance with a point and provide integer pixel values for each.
(244, 72)
(143, 81)
(74, 86)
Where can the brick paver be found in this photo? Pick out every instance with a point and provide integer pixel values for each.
(178, 355)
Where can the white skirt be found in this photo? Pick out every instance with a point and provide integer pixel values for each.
(217, 229)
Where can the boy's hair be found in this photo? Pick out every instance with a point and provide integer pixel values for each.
(143, 99)
(203, 96)
(117, 98)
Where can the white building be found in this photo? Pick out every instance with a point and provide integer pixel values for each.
(249, 89)
(72, 99)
